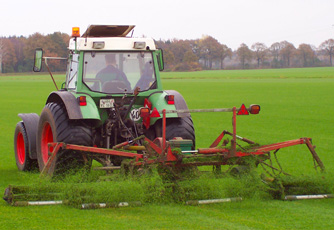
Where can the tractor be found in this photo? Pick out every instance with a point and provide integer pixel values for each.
(111, 95)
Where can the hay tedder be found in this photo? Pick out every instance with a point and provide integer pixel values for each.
(112, 109)
(178, 153)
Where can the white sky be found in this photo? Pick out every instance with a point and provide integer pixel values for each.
(231, 22)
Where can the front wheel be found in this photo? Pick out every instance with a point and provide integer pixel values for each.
(55, 126)
(21, 148)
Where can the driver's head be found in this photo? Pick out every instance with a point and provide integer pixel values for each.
(110, 59)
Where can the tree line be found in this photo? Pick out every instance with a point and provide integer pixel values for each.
(17, 53)
(208, 53)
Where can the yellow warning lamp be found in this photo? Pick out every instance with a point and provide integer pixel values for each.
(75, 32)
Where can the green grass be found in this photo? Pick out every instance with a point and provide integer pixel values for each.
(294, 103)
(323, 72)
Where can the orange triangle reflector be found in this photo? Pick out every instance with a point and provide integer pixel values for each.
(243, 110)
(155, 113)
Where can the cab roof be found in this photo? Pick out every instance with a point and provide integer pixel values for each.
(108, 31)
(110, 37)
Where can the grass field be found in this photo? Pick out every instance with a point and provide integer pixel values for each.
(294, 103)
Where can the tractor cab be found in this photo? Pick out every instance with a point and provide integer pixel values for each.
(118, 72)
(104, 60)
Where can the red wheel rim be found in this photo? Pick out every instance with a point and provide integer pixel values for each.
(20, 148)
(47, 137)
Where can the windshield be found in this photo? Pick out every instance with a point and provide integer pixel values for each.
(118, 72)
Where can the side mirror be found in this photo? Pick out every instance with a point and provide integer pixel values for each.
(38, 60)
(160, 58)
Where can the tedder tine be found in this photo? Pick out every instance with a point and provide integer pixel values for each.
(314, 154)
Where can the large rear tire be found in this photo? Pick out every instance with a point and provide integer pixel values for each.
(55, 126)
(21, 148)
(177, 127)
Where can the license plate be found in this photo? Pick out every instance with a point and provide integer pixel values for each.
(107, 103)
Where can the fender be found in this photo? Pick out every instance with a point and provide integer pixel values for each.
(158, 101)
(180, 103)
(30, 121)
(74, 111)
(70, 102)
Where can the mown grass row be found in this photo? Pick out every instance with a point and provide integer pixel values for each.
(158, 186)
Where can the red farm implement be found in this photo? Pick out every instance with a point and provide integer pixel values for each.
(173, 154)
(174, 157)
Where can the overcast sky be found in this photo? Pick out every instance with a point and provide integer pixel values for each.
(231, 22)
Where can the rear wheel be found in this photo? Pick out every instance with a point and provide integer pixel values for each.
(21, 148)
(55, 126)
(177, 127)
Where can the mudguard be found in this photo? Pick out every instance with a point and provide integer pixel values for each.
(74, 111)
(159, 102)
(30, 121)
(180, 103)
(70, 102)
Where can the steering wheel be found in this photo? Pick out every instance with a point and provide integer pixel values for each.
(114, 86)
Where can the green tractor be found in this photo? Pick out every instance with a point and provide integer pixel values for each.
(112, 94)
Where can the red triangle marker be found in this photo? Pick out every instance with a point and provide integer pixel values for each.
(155, 113)
(243, 110)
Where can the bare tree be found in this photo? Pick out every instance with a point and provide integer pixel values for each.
(275, 49)
(169, 58)
(2, 52)
(287, 52)
(328, 47)
(244, 54)
(260, 50)
(306, 54)
(209, 50)
(190, 57)
(224, 52)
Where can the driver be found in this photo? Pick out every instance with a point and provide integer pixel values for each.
(146, 79)
(112, 73)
